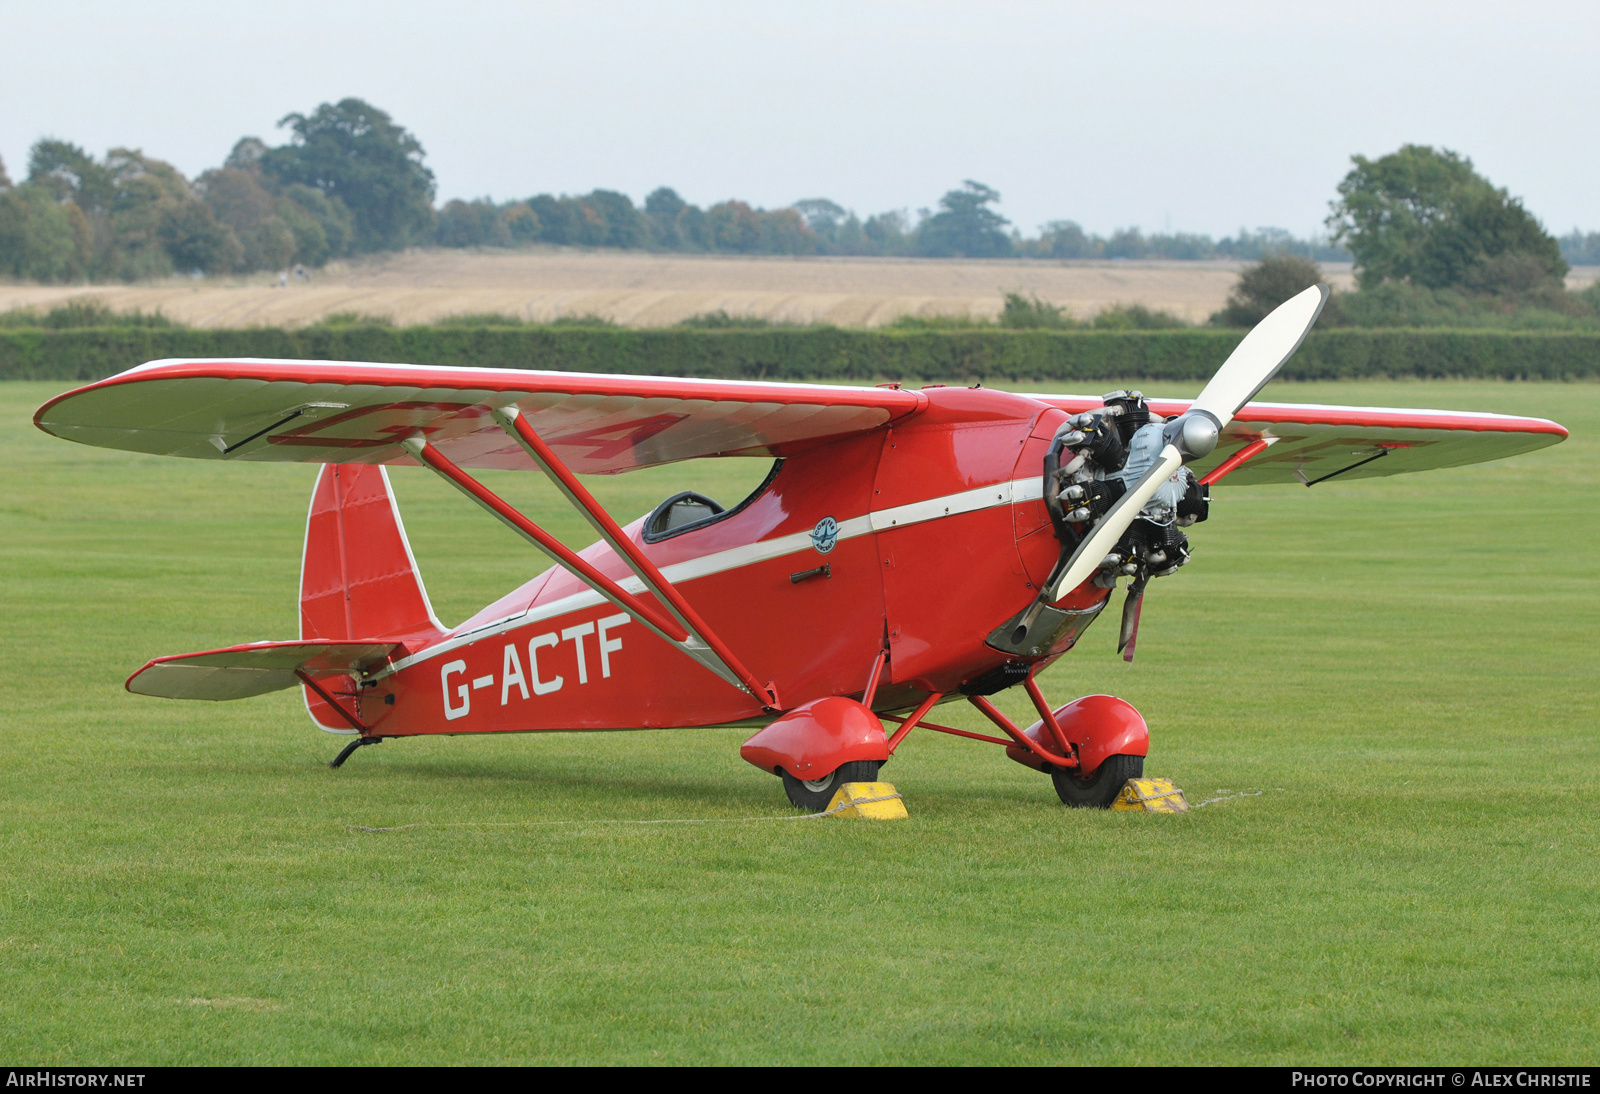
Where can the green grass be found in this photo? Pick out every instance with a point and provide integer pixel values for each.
(1403, 668)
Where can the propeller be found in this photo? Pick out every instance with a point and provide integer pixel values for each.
(1189, 436)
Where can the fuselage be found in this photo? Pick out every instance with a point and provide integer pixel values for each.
(932, 533)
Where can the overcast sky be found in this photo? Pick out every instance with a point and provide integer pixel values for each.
(1194, 116)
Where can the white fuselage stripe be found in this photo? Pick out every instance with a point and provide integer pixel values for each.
(968, 501)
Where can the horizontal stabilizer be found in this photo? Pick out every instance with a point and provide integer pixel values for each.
(239, 672)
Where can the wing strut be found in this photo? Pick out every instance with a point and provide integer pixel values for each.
(683, 629)
(512, 421)
(1233, 462)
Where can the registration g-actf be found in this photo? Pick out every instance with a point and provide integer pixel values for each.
(909, 548)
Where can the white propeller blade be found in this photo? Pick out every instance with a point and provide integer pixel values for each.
(1262, 353)
(1246, 371)
(1093, 551)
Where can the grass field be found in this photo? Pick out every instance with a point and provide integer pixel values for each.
(1400, 674)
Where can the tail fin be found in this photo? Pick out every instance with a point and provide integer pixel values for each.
(358, 579)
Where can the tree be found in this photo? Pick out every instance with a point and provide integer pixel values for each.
(238, 201)
(330, 230)
(557, 220)
(1127, 243)
(1267, 284)
(274, 224)
(887, 233)
(475, 224)
(589, 221)
(1256, 245)
(695, 225)
(1065, 239)
(354, 152)
(193, 240)
(5, 179)
(965, 225)
(1425, 216)
(663, 211)
(1183, 246)
(71, 174)
(823, 218)
(131, 215)
(624, 227)
(148, 212)
(784, 231)
(36, 236)
(1580, 249)
(1032, 313)
(734, 226)
(522, 223)
(247, 154)
(664, 202)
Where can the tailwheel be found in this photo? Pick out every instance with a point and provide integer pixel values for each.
(813, 795)
(1099, 790)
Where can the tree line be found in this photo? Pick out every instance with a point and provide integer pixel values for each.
(349, 180)
(964, 225)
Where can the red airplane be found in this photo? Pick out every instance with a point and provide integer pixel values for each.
(907, 549)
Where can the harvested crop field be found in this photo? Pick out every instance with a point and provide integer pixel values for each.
(648, 290)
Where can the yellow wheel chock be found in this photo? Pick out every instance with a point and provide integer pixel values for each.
(1150, 796)
(872, 801)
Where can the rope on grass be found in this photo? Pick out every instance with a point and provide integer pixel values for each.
(1230, 795)
(670, 820)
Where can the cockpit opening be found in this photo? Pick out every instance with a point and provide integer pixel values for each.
(680, 513)
(689, 510)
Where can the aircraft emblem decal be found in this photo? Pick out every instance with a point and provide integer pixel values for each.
(825, 535)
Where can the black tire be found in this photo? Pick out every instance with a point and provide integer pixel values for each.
(814, 796)
(1099, 790)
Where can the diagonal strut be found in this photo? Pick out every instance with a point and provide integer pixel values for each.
(672, 628)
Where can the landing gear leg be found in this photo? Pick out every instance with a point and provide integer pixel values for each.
(349, 749)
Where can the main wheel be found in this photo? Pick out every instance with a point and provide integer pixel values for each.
(814, 795)
(1099, 790)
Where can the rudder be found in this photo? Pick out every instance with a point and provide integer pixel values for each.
(358, 579)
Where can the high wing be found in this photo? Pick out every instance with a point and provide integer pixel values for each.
(1307, 443)
(346, 412)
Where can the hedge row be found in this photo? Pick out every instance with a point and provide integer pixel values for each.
(820, 353)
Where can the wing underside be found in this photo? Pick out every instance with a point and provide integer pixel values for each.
(337, 412)
(1310, 443)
